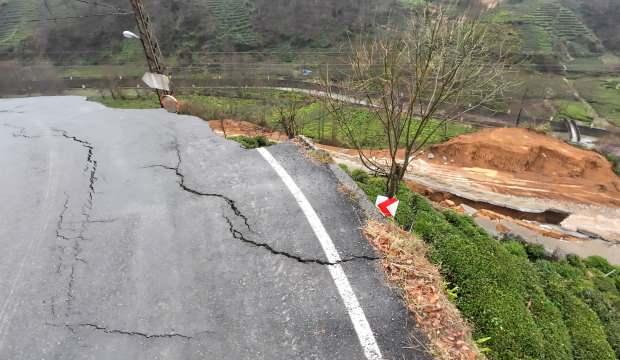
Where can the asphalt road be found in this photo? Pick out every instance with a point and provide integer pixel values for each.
(138, 234)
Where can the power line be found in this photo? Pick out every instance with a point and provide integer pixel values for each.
(231, 53)
(117, 11)
(287, 65)
(76, 17)
(106, 51)
(101, 4)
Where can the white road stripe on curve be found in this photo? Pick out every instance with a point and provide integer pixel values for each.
(356, 313)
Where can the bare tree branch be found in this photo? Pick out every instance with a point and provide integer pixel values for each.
(439, 64)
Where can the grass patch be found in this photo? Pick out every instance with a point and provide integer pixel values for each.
(321, 127)
(575, 110)
(412, 4)
(529, 307)
(602, 94)
(501, 16)
(143, 102)
(536, 86)
(101, 71)
(260, 107)
(251, 142)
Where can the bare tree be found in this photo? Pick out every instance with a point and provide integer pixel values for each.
(412, 81)
(288, 110)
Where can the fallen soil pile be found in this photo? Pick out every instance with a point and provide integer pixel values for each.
(237, 127)
(529, 154)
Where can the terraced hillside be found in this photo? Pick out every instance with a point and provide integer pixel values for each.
(14, 20)
(233, 23)
(536, 39)
(563, 25)
(548, 27)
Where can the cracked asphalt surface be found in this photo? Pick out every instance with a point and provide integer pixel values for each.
(138, 234)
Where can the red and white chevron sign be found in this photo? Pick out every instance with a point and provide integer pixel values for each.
(387, 206)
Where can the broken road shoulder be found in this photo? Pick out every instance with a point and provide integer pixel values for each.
(365, 208)
(356, 313)
(419, 282)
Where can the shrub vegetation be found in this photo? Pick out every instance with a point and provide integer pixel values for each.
(252, 142)
(529, 306)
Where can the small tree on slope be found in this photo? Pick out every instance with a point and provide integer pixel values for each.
(413, 81)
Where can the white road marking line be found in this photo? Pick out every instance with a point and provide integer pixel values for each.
(356, 313)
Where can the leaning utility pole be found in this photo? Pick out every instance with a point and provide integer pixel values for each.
(149, 42)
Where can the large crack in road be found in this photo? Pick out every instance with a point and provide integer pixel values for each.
(106, 330)
(172, 335)
(239, 235)
(207, 253)
(62, 232)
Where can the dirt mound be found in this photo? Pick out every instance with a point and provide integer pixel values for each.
(528, 154)
(237, 127)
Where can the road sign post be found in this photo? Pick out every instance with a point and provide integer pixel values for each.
(150, 45)
(387, 206)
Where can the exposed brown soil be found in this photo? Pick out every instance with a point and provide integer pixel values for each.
(529, 155)
(237, 127)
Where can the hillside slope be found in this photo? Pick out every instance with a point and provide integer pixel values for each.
(603, 17)
(549, 27)
(14, 21)
(195, 25)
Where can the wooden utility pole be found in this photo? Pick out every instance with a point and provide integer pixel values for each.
(151, 47)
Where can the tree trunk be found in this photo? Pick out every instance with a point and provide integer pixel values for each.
(394, 179)
(222, 124)
(292, 128)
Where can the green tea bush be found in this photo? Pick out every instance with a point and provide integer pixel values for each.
(587, 333)
(595, 288)
(535, 251)
(500, 292)
(515, 248)
(530, 307)
(599, 263)
(608, 314)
